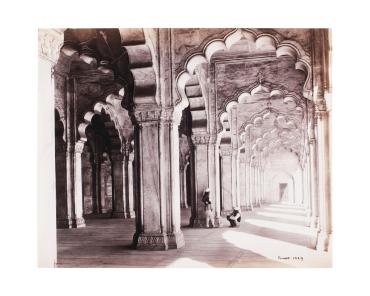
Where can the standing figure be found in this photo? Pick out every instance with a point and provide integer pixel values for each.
(234, 218)
(208, 208)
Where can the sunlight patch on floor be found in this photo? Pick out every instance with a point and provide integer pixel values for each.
(283, 216)
(288, 211)
(187, 262)
(279, 251)
(287, 206)
(281, 226)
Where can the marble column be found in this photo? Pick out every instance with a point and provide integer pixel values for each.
(200, 147)
(158, 212)
(258, 185)
(78, 219)
(237, 199)
(303, 189)
(250, 174)
(169, 131)
(212, 178)
(254, 186)
(49, 42)
(234, 173)
(248, 185)
(130, 209)
(308, 190)
(321, 79)
(218, 187)
(185, 184)
(262, 185)
(74, 150)
(183, 194)
(226, 178)
(323, 180)
(103, 188)
(241, 183)
(313, 178)
(118, 204)
(96, 200)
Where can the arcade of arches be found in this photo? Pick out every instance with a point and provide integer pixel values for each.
(147, 119)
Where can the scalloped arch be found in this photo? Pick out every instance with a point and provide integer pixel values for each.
(263, 41)
(99, 109)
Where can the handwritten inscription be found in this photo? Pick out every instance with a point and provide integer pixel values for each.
(291, 258)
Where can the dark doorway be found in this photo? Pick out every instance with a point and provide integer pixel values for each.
(283, 191)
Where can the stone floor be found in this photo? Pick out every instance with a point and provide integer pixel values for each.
(274, 235)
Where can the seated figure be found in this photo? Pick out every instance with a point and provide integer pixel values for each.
(234, 218)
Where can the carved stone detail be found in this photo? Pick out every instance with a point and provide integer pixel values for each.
(148, 115)
(226, 152)
(50, 42)
(79, 147)
(200, 139)
(167, 115)
(151, 241)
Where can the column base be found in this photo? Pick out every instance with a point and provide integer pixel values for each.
(218, 222)
(323, 241)
(78, 223)
(64, 223)
(225, 212)
(158, 241)
(130, 214)
(313, 223)
(197, 223)
(201, 223)
(118, 215)
(184, 206)
(176, 240)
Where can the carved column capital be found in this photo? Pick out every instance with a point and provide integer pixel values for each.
(50, 42)
(147, 117)
(200, 139)
(321, 114)
(312, 141)
(226, 151)
(79, 147)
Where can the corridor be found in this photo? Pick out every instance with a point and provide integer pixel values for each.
(274, 235)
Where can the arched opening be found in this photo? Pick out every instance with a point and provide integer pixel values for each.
(102, 169)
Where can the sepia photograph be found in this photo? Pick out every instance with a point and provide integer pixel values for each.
(186, 147)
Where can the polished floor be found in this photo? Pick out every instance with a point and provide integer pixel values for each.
(274, 235)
